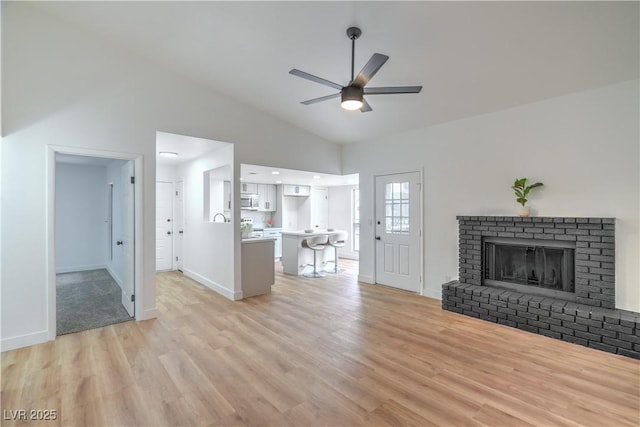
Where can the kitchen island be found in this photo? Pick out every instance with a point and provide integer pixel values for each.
(257, 266)
(295, 258)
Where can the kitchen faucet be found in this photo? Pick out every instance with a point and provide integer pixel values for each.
(223, 217)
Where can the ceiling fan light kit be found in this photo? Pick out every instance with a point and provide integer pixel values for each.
(352, 95)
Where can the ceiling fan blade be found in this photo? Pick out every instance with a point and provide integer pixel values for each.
(316, 79)
(391, 90)
(365, 106)
(370, 69)
(322, 98)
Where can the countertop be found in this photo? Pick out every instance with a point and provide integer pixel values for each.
(301, 233)
(257, 239)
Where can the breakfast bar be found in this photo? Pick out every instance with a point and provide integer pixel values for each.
(295, 258)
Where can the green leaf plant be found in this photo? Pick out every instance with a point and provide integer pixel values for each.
(522, 190)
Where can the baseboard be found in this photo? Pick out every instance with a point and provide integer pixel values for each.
(115, 277)
(79, 268)
(351, 256)
(150, 313)
(366, 279)
(433, 293)
(216, 287)
(24, 340)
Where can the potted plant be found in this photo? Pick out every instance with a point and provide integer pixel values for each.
(246, 229)
(522, 190)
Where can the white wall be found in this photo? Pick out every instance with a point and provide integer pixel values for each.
(208, 257)
(63, 86)
(167, 173)
(81, 211)
(584, 147)
(340, 215)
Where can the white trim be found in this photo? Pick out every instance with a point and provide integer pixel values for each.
(349, 255)
(431, 293)
(366, 279)
(62, 270)
(115, 277)
(50, 227)
(23, 340)
(152, 313)
(216, 287)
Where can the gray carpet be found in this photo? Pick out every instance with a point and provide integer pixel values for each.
(87, 300)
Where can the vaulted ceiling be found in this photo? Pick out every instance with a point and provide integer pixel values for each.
(470, 57)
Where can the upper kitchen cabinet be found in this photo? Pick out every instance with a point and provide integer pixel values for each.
(267, 198)
(246, 187)
(296, 190)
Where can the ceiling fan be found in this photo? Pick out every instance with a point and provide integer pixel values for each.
(352, 94)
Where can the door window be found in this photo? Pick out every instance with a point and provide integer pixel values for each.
(396, 201)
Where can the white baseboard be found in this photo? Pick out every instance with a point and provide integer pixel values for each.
(366, 279)
(61, 270)
(115, 277)
(24, 340)
(150, 313)
(348, 255)
(216, 287)
(433, 293)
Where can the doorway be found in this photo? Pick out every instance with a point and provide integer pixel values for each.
(164, 226)
(92, 231)
(398, 228)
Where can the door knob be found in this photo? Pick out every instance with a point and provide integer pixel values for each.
(119, 242)
(168, 232)
(180, 231)
(168, 219)
(377, 237)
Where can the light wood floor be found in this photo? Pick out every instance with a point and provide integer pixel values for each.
(316, 352)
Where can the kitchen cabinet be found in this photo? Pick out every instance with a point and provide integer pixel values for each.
(267, 197)
(275, 233)
(249, 188)
(257, 267)
(296, 190)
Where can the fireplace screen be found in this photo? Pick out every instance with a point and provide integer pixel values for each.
(541, 266)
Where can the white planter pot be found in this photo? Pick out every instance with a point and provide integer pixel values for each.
(524, 211)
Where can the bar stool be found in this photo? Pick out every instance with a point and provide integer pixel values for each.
(337, 240)
(316, 244)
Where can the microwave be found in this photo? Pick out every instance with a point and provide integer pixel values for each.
(249, 202)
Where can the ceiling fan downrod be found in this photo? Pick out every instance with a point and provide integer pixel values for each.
(353, 33)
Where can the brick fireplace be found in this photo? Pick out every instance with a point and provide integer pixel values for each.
(556, 277)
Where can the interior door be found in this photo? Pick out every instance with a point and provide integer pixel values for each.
(164, 226)
(178, 224)
(398, 231)
(128, 232)
(320, 208)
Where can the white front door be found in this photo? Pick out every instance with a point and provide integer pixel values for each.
(127, 241)
(164, 226)
(398, 231)
(178, 224)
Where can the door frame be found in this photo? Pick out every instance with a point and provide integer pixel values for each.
(420, 171)
(51, 225)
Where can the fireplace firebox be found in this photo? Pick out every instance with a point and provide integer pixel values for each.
(538, 267)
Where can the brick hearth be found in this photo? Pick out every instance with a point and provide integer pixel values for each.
(591, 321)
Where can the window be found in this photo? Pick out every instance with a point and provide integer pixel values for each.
(396, 205)
(355, 223)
